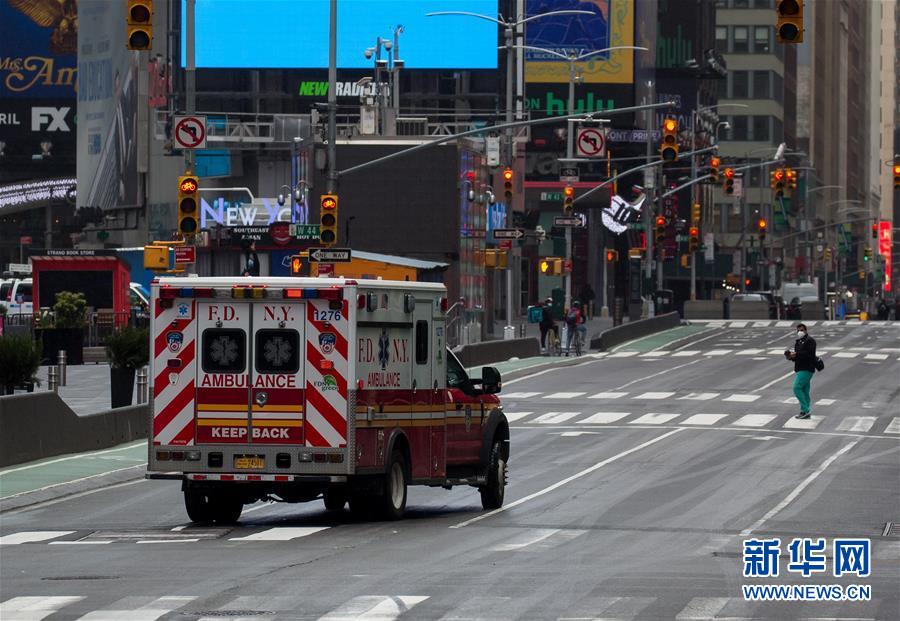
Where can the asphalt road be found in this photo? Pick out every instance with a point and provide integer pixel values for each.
(635, 478)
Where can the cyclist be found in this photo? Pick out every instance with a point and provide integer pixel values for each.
(548, 323)
(574, 321)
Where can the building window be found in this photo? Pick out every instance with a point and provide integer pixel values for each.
(778, 130)
(739, 128)
(761, 128)
(722, 89)
(742, 4)
(761, 39)
(762, 4)
(740, 84)
(778, 88)
(741, 42)
(761, 88)
(722, 39)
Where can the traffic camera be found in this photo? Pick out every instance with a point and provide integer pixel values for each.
(328, 220)
(714, 162)
(694, 239)
(789, 23)
(568, 200)
(508, 184)
(660, 231)
(139, 25)
(668, 147)
(729, 181)
(188, 193)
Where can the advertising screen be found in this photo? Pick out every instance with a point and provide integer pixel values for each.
(285, 34)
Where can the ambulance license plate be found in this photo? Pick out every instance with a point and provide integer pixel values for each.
(249, 462)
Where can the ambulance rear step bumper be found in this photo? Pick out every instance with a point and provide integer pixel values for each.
(248, 477)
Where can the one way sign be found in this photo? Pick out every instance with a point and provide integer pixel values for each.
(509, 233)
(329, 255)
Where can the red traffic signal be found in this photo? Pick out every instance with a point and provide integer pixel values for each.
(329, 202)
(729, 173)
(508, 174)
(508, 184)
(660, 221)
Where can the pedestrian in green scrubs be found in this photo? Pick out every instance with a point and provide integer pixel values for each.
(804, 357)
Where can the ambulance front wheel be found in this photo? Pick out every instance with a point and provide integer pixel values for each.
(492, 494)
(393, 501)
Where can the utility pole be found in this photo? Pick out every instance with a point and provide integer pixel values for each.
(331, 180)
(509, 332)
(694, 196)
(190, 75)
(570, 154)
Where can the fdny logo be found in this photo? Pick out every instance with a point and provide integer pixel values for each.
(327, 341)
(175, 339)
(384, 352)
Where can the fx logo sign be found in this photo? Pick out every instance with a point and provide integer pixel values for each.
(53, 118)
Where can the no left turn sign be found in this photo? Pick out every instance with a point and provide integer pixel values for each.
(591, 142)
(190, 132)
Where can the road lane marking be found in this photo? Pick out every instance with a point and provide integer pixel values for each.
(553, 418)
(514, 416)
(774, 381)
(876, 356)
(282, 533)
(791, 400)
(655, 395)
(750, 352)
(741, 398)
(686, 353)
(35, 608)
(47, 503)
(70, 457)
(564, 395)
(776, 352)
(703, 419)
(132, 609)
(803, 423)
(702, 608)
(167, 541)
(893, 426)
(857, 423)
(32, 536)
(665, 372)
(89, 542)
(798, 490)
(603, 418)
(754, 420)
(525, 539)
(846, 354)
(374, 608)
(699, 396)
(654, 418)
(784, 324)
(716, 332)
(718, 352)
(521, 395)
(87, 478)
(739, 324)
(653, 353)
(623, 354)
(826, 402)
(608, 395)
(567, 480)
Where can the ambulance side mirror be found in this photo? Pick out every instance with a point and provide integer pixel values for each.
(490, 380)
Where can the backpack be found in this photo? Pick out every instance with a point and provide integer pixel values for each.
(572, 317)
(820, 364)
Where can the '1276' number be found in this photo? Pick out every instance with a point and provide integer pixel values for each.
(326, 315)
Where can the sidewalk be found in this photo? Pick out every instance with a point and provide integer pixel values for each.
(595, 326)
(87, 388)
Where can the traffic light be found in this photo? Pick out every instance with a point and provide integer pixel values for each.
(296, 265)
(695, 214)
(495, 258)
(328, 219)
(714, 162)
(827, 254)
(789, 25)
(694, 239)
(729, 181)
(776, 182)
(508, 184)
(188, 191)
(668, 147)
(568, 200)
(660, 232)
(867, 254)
(763, 226)
(547, 267)
(874, 230)
(612, 255)
(790, 177)
(896, 175)
(139, 24)
(156, 257)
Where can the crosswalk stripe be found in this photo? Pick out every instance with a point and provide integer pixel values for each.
(803, 423)
(615, 608)
(523, 540)
(893, 426)
(608, 395)
(826, 402)
(810, 323)
(281, 533)
(754, 420)
(776, 352)
(700, 396)
(623, 354)
(876, 356)
(553, 418)
(603, 418)
(750, 352)
(761, 324)
(846, 354)
(374, 607)
(32, 536)
(650, 396)
(35, 608)
(857, 423)
(739, 324)
(702, 608)
(657, 352)
(791, 400)
(563, 395)
(514, 416)
(520, 395)
(653, 418)
(718, 352)
(686, 352)
(131, 608)
(741, 398)
(256, 606)
(784, 324)
(703, 419)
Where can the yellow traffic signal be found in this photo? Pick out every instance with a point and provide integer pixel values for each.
(714, 162)
(328, 220)
(568, 200)
(660, 229)
(495, 258)
(695, 214)
(729, 181)
(139, 24)
(694, 239)
(776, 182)
(188, 194)
(508, 184)
(156, 257)
(668, 147)
(896, 175)
(763, 226)
(790, 177)
(789, 24)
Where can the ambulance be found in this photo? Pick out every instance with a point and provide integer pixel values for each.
(296, 389)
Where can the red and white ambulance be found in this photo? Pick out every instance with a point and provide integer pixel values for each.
(293, 389)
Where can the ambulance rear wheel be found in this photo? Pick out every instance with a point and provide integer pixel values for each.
(334, 500)
(492, 494)
(227, 510)
(393, 500)
(199, 505)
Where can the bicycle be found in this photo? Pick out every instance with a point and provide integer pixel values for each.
(577, 341)
(554, 344)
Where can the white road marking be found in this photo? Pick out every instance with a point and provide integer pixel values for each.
(857, 423)
(798, 490)
(876, 356)
(778, 352)
(35, 608)
(810, 323)
(526, 539)
(762, 438)
(686, 353)
(754, 420)
(654, 353)
(803, 423)
(893, 426)
(653, 418)
(56, 461)
(568, 479)
(374, 608)
(575, 434)
(774, 381)
(88, 542)
(741, 398)
(702, 608)
(784, 324)
(657, 374)
(650, 396)
(514, 416)
(553, 418)
(73, 481)
(167, 541)
(521, 395)
(791, 400)
(703, 419)
(761, 324)
(845, 354)
(623, 354)
(715, 333)
(563, 395)
(699, 396)
(826, 402)
(132, 609)
(738, 324)
(603, 418)
(608, 395)
(32, 536)
(717, 352)
(283, 533)
(179, 528)
(750, 352)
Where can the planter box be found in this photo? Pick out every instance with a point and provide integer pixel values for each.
(54, 339)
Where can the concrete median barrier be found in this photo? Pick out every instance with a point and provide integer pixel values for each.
(704, 309)
(480, 354)
(634, 330)
(38, 425)
(749, 310)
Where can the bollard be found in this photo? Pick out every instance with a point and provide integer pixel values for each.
(52, 378)
(521, 330)
(61, 366)
(142, 389)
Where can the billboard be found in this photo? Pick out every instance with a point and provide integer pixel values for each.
(276, 34)
(107, 108)
(610, 24)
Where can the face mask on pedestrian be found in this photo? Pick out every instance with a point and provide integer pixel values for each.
(800, 334)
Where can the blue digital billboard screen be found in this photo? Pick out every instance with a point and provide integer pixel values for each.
(293, 34)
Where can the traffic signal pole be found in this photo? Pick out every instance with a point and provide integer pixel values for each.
(570, 154)
(331, 180)
(509, 332)
(190, 74)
